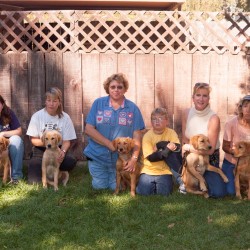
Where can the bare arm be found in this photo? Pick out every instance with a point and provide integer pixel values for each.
(137, 136)
(98, 137)
(226, 146)
(213, 132)
(9, 133)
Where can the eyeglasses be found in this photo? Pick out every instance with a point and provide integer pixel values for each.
(116, 87)
(201, 84)
(158, 119)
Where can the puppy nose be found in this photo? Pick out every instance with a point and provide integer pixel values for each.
(209, 147)
(49, 145)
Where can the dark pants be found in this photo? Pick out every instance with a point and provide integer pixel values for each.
(35, 165)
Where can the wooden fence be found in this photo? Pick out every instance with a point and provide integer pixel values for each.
(163, 54)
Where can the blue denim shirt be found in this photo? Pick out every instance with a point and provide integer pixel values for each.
(111, 124)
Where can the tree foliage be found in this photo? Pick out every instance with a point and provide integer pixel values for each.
(216, 5)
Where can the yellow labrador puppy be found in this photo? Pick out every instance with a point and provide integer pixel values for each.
(50, 165)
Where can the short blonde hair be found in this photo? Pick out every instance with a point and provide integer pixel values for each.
(119, 77)
(56, 93)
(201, 85)
(160, 111)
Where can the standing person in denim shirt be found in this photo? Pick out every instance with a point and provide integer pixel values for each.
(110, 117)
(10, 128)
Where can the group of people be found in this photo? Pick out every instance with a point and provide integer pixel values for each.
(115, 116)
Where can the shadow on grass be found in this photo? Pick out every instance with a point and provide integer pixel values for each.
(78, 217)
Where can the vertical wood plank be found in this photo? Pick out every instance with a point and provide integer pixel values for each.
(5, 78)
(36, 71)
(164, 84)
(201, 68)
(19, 93)
(126, 65)
(145, 85)
(91, 85)
(182, 87)
(73, 95)
(218, 82)
(108, 66)
(237, 81)
(54, 70)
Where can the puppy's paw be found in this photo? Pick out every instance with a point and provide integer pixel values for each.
(239, 196)
(203, 187)
(225, 179)
(206, 195)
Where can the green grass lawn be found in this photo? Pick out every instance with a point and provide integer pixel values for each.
(77, 217)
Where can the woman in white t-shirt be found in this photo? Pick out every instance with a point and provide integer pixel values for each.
(49, 118)
(236, 129)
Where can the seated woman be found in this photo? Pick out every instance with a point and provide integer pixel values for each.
(236, 129)
(10, 128)
(200, 119)
(156, 175)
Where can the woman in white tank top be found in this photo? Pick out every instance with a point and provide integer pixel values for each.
(200, 119)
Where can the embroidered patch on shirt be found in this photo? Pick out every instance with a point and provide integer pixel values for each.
(122, 121)
(107, 113)
(129, 122)
(99, 112)
(106, 120)
(130, 115)
(122, 114)
(99, 119)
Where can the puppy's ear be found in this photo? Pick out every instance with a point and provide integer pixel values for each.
(114, 142)
(6, 142)
(247, 148)
(59, 137)
(194, 141)
(43, 137)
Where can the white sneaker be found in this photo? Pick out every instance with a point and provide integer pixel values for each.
(182, 189)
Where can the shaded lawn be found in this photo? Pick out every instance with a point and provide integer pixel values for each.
(78, 217)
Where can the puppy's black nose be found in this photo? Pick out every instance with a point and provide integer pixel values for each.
(209, 147)
(49, 145)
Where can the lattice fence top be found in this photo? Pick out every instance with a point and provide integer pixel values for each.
(124, 31)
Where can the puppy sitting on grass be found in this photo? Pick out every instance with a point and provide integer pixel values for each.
(50, 164)
(5, 164)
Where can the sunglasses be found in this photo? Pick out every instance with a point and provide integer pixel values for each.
(201, 84)
(116, 87)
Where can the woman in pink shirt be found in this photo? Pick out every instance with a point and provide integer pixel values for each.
(236, 129)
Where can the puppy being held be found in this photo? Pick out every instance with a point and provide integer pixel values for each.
(5, 164)
(124, 146)
(196, 164)
(241, 150)
(50, 164)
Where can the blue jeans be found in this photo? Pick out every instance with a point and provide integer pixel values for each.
(155, 184)
(177, 177)
(216, 185)
(103, 176)
(16, 150)
(228, 169)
